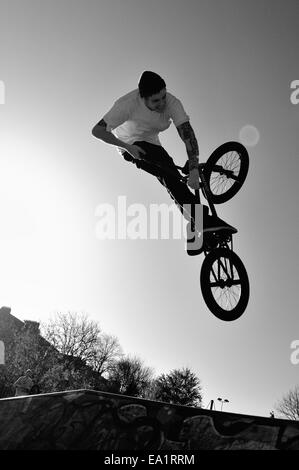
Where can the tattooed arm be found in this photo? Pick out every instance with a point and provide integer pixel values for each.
(187, 135)
(100, 132)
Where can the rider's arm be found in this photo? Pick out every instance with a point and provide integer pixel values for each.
(100, 132)
(188, 136)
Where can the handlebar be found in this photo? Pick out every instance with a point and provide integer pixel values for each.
(183, 169)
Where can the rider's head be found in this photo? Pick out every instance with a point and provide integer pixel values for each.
(152, 89)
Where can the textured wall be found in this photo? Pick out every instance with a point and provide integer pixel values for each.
(93, 420)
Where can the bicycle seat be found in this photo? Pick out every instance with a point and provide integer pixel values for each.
(215, 224)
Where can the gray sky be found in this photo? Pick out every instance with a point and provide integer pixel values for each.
(231, 63)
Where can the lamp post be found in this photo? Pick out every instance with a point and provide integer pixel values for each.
(223, 401)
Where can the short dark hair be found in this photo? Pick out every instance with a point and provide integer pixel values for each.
(150, 83)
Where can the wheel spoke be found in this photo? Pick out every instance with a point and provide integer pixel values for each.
(221, 183)
(226, 170)
(225, 283)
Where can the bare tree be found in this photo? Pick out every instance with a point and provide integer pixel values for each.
(107, 352)
(288, 407)
(73, 335)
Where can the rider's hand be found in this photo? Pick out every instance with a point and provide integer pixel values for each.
(193, 180)
(135, 151)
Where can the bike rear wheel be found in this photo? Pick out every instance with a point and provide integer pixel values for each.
(224, 284)
(226, 170)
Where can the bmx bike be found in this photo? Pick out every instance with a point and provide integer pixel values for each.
(223, 278)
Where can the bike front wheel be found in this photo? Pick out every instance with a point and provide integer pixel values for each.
(226, 170)
(224, 284)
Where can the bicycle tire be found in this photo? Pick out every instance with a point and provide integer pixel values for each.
(232, 157)
(212, 281)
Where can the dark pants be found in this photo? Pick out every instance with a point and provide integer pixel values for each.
(177, 190)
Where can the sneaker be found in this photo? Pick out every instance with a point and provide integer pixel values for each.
(215, 224)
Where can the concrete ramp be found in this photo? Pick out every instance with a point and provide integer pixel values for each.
(92, 420)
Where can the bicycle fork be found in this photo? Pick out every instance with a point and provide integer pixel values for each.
(224, 242)
(206, 191)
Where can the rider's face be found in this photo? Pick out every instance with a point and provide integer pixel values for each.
(157, 102)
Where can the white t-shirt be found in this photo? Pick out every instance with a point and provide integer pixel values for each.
(131, 120)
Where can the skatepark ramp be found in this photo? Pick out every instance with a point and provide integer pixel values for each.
(93, 420)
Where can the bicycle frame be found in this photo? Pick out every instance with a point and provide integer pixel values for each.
(223, 241)
(204, 187)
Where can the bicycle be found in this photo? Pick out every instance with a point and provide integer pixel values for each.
(223, 278)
